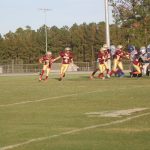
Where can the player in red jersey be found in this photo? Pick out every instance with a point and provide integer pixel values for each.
(117, 62)
(47, 61)
(107, 62)
(108, 56)
(102, 65)
(137, 67)
(67, 58)
(135, 61)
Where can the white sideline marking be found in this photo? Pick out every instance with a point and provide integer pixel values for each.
(115, 113)
(49, 98)
(72, 131)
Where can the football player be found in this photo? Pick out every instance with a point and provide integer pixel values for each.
(148, 57)
(135, 62)
(102, 65)
(108, 58)
(67, 58)
(117, 62)
(144, 58)
(47, 61)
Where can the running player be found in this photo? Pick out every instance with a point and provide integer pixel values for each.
(117, 62)
(102, 65)
(108, 56)
(67, 58)
(47, 61)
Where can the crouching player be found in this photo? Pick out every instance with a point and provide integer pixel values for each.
(135, 63)
(67, 58)
(47, 61)
(117, 62)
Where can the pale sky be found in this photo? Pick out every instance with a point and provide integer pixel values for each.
(20, 13)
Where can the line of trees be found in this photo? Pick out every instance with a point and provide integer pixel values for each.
(132, 26)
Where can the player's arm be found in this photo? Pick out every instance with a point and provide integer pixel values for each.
(57, 58)
(72, 61)
(41, 60)
(126, 55)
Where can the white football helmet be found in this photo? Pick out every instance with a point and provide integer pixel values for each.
(112, 49)
(119, 46)
(148, 46)
(67, 49)
(105, 46)
(48, 53)
(103, 49)
(143, 50)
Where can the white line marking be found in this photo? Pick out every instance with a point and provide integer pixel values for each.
(72, 131)
(115, 113)
(57, 97)
(49, 98)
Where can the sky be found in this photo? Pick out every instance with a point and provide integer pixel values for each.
(22, 13)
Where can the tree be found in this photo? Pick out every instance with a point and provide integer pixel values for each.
(134, 17)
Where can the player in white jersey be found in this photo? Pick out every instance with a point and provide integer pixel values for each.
(144, 59)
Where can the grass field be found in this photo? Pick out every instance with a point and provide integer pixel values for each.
(66, 115)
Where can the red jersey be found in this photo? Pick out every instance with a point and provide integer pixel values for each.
(66, 57)
(107, 54)
(119, 54)
(47, 60)
(136, 60)
(101, 57)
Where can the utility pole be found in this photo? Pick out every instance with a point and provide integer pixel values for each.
(45, 10)
(107, 23)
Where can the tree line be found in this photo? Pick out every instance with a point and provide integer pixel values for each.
(131, 26)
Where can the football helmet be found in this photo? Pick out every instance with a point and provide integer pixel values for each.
(119, 46)
(143, 50)
(103, 49)
(148, 48)
(105, 46)
(48, 53)
(112, 49)
(67, 49)
(131, 48)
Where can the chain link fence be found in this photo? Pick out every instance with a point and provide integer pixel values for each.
(36, 68)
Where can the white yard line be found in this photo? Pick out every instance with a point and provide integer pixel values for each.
(72, 132)
(50, 98)
(57, 97)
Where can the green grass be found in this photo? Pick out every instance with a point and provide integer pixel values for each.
(57, 114)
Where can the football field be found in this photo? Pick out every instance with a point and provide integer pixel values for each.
(74, 114)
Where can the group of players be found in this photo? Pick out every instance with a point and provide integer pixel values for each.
(48, 59)
(140, 60)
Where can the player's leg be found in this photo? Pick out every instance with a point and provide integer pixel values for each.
(138, 69)
(120, 66)
(63, 70)
(93, 73)
(109, 64)
(102, 70)
(47, 72)
(115, 64)
(42, 72)
(144, 70)
(107, 69)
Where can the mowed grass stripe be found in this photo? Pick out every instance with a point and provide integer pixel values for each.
(72, 132)
(69, 95)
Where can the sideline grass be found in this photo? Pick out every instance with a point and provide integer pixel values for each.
(20, 123)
